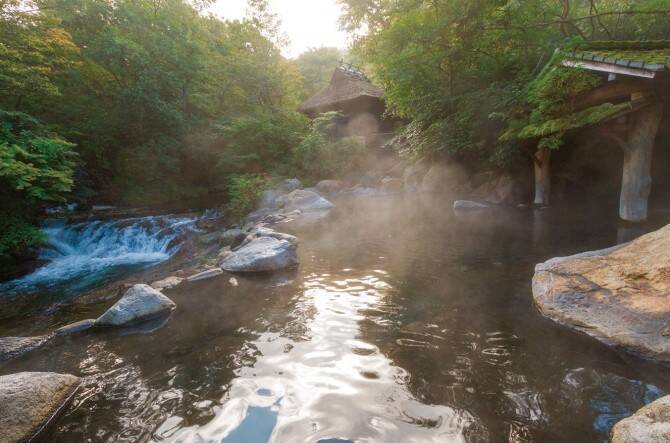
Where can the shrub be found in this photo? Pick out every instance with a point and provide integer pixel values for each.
(318, 156)
(244, 191)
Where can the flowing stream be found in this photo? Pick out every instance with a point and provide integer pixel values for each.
(403, 323)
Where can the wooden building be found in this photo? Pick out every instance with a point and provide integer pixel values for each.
(626, 110)
(359, 102)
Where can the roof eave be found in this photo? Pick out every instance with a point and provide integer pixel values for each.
(613, 68)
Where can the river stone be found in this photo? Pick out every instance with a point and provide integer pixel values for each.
(76, 327)
(31, 401)
(138, 304)
(167, 283)
(329, 186)
(650, 424)
(619, 295)
(468, 204)
(206, 274)
(267, 232)
(233, 237)
(12, 347)
(261, 254)
(305, 201)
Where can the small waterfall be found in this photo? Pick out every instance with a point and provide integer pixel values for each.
(82, 254)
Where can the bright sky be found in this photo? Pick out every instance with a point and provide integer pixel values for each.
(307, 23)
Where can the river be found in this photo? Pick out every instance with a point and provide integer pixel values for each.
(404, 323)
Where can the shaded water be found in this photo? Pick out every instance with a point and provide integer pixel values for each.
(403, 323)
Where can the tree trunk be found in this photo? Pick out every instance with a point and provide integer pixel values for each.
(542, 177)
(636, 182)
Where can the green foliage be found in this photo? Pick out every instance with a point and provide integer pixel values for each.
(36, 166)
(244, 191)
(260, 142)
(318, 156)
(449, 65)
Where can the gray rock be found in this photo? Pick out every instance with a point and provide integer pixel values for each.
(12, 347)
(329, 186)
(257, 215)
(209, 239)
(305, 201)
(140, 303)
(289, 185)
(468, 204)
(269, 198)
(266, 232)
(31, 401)
(260, 255)
(650, 424)
(233, 237)
(74, 328)
(206, 274)
(618, 295)
(167, 283)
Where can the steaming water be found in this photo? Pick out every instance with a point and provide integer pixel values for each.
(81, 254)
(403, 323)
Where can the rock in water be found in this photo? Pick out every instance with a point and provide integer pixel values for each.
(76, 327)
(138, 304)
(260, 255)
(619, 295)
(31, 401)
(305, 201)
(651, 424)
(204, 275)
(468, 204)
(167, 283)
(12, 347)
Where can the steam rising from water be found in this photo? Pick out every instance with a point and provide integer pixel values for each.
(83, 253)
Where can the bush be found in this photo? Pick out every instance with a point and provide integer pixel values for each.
(317, 156)
(244, 191)
(261, 142)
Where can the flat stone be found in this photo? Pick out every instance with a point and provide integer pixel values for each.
(206, 274)
(31, 401)
(12, 347)
(260, 255)
(619, 295)
(468, 204)
(74, 328)
(167, 283)
(140, 303)
(650, 424)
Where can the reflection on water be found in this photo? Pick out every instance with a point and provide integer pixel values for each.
(404, 323)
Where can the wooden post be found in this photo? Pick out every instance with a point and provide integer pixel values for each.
(542, 176)
(638, 148)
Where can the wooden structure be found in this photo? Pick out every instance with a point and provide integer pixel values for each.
(629, 109)
(359, 102)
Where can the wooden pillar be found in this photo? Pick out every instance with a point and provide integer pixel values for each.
(542, 176)
(638, 148)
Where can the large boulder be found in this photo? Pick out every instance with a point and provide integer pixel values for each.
(261, 254)
(12, 347)
(445, 178)
(305, 201)
(233, 237)
(651, 424)
(140, 303)
(31, 401)
(619, 295)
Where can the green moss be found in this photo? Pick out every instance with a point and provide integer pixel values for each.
(586, 117)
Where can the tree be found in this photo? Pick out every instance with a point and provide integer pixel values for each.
(316, 67)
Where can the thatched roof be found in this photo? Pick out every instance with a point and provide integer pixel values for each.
(347, 84)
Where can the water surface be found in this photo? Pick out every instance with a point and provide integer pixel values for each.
(403, 323)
